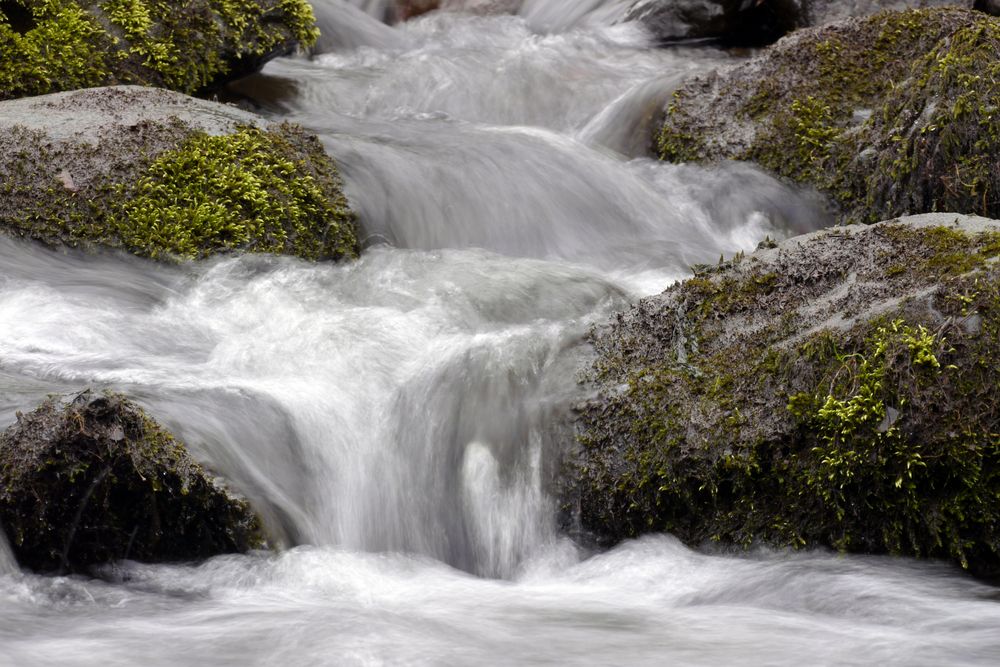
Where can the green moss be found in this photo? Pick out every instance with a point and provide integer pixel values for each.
(65, 48)
(241, 191)
(254, 190)
(928, 142)
(185, 46)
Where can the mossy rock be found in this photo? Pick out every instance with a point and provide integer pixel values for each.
(185, 45)
(838, 390)
(166, 176)
(888, 115)
(93, 479)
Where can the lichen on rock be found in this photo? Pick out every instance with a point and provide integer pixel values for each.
(188, 46)
(874, 112)
(839, 390)
(93, 479)
(164, 176)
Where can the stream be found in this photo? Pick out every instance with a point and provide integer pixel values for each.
(399, 420)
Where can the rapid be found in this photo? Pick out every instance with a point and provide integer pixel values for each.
(399, 420)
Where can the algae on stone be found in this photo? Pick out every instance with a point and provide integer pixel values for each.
(839, 390)
(188, 46)
(874, 112)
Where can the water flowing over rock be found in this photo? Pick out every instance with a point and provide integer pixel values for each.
(836, 390)
(187, 45)
(887, 115)
(163, 175)
(93, 479)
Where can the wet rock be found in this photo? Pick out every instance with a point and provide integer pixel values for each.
(738, 22)
(187, 45)
(887, 115)
(93, 479)
(822, 12)
(836, 390)
(163, 175)
(407, 9)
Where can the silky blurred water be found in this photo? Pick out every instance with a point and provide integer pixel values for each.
(398, 420)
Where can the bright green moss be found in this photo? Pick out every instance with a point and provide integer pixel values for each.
(188, 45)
(240, 191)
(64, 48)
(165, 192)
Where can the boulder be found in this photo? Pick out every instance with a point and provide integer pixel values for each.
(93, 479)
(836, 390)
(166, 176)
(186, 45)
(821, 12)
(888, 115)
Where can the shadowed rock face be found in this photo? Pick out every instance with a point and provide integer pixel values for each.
(886, 115)
(93, 479)
(839, 390)
(738, 22)
(163, 175)
(184, 45)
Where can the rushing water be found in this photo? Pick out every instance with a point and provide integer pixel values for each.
(398, 420)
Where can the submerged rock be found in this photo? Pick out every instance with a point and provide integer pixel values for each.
(839, 390)
(163, 175)
(887, 115)
(186, 45)
(94, 479)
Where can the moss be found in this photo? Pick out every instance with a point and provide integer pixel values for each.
(96, 479)
(244, 191)
(168, 193)
(187, 46)
(65, 48)
(728, 417)
(928, 140)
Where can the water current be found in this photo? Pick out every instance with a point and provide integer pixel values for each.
(398, 420)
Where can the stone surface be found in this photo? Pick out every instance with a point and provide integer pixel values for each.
(163, 175)
(836, 390)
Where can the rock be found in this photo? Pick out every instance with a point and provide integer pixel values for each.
(166, 176)
(887, 115)
(738, 22)
(407, 9)
(93, 479)
(836, 390)
(822, 12)
(187, 45)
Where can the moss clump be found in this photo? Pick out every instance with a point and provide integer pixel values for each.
(736, 409)
(186, 46)
(164, 191)
(95, 480)
(874, 112)
(244, 191)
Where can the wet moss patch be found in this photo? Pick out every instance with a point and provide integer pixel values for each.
(94, 479)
